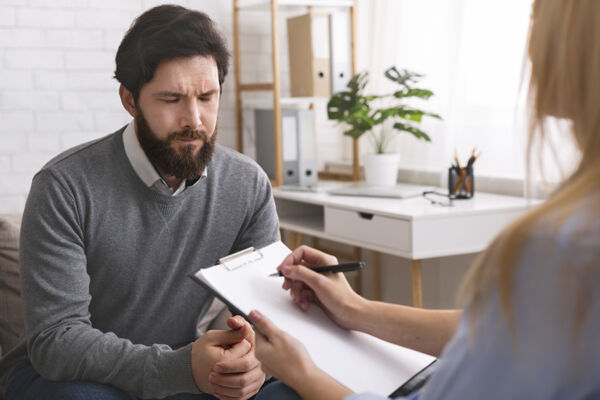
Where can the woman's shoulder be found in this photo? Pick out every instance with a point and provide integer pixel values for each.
(573, 226)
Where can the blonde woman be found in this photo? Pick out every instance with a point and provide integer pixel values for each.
(530, 328)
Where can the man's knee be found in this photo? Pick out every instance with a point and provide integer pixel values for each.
(27, 384)
(276, 390)
(78, 390)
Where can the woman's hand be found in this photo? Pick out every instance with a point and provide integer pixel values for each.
(280, 354)
(330, 291)
(285, 358)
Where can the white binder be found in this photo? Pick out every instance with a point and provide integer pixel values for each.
(340, 47)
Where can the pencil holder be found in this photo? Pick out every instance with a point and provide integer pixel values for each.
(461, 183)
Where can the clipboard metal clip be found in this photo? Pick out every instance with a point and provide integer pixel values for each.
(241, 258)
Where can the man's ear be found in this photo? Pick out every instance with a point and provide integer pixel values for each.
(127, 100)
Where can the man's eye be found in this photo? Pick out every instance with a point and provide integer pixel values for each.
(205, 98)
(175, 100)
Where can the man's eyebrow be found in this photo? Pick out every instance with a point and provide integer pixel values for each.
(167, 94)
(210, 92)
(177, 94)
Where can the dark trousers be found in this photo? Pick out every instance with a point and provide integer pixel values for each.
(27, 384)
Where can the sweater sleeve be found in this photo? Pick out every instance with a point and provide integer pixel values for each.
(262, 224)
(62, 343)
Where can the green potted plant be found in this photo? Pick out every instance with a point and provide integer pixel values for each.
(368, 114)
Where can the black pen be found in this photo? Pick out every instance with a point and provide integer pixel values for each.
(347, 267)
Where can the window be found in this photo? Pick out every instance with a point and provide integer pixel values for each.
(472, 54)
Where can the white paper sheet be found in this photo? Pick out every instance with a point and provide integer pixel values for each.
(359, 361)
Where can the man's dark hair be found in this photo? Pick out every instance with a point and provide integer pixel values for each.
(163, 33)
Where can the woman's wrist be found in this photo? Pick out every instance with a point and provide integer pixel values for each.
(357, 311)
(317, 385)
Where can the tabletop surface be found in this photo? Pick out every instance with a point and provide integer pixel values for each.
(411, 208)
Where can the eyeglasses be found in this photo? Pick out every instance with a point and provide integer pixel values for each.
(439, 199)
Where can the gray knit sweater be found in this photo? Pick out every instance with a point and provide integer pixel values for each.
(105, 263)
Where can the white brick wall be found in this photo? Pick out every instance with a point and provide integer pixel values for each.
(56, 85)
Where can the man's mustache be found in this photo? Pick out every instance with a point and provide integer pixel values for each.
(189, 134)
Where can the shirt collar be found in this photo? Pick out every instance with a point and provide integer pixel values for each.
(144, 168)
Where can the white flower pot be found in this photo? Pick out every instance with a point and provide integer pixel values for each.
(381, 169)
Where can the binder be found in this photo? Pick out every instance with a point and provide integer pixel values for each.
(358, 361)
(340, 45)
(309, 54)
(298, 145)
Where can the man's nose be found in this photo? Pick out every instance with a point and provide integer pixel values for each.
(191, 116)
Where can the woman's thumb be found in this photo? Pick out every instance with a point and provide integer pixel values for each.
(262, 323)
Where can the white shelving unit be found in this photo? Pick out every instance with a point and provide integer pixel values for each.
(273, 6)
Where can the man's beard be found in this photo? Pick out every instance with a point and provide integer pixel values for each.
(180, 163)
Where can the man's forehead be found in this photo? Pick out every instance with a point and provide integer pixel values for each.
(187, 73)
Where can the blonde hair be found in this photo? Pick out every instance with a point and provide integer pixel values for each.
(564, 50)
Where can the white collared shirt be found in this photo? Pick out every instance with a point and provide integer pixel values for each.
(144, 168)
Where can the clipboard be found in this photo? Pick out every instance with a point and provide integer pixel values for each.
(358, 361)
(231, 262)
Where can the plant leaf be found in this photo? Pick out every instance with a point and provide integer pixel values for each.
(413, 92)
(419, 134)
(360, 115)
(402, 77)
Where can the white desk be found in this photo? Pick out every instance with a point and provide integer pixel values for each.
(410, 228)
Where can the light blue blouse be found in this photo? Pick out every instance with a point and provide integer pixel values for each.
(556, 354)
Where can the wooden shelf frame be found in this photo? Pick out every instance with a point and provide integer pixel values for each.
(275, 86)
(265, 4)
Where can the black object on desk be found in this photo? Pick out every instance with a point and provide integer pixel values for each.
(461, 182)
(347, 267)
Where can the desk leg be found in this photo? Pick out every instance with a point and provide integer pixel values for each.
(286, 236)
(417, 289)
(294, 240)
(291, 239)
(298, 241)
(376, 277)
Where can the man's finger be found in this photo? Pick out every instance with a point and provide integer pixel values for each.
(238, 365)
(236, 322)
(238, 350)
(239, 386)
(237, 380)
(225, 338)
(249, 386)
(239, 323)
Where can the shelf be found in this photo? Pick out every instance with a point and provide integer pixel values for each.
(266, 4)
(312, 226)
(295, 103)
(277, 103)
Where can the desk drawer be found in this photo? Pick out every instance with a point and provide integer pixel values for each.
(368, 228)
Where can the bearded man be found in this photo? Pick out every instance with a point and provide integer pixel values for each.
(112, 229)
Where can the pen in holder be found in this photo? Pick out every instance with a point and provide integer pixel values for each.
(461, 184)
